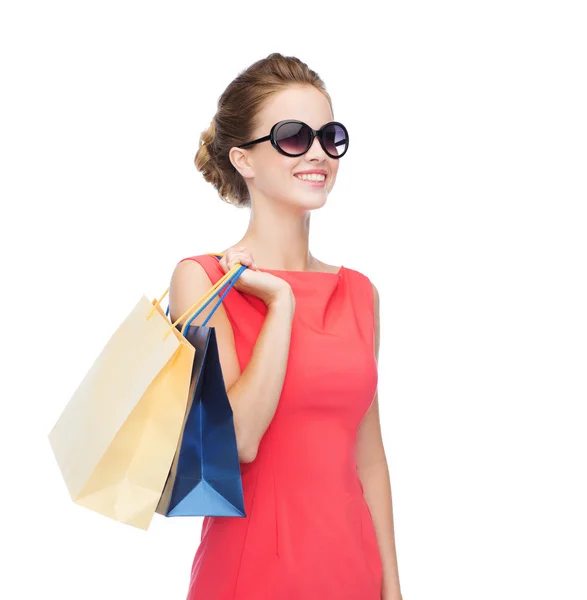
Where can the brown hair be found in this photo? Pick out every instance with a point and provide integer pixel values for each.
(235, 119)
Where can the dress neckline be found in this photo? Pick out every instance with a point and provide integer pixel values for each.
(282, 271)
(295, 273)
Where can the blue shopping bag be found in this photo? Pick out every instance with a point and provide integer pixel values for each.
(205, 477)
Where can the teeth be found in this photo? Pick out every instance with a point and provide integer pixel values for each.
(311, 177)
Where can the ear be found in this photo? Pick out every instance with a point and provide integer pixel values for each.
(240, 160)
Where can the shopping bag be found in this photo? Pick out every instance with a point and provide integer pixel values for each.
(116, 438)
(205, 477)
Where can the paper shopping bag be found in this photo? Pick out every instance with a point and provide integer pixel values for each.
(205, 478)
(116, 438)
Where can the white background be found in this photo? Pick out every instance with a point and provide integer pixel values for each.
(463, 198)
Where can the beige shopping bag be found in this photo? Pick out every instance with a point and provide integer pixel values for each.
(116, 438)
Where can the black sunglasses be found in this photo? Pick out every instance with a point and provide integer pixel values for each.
(294, 138)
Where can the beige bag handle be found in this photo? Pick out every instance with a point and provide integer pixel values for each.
(194, 307)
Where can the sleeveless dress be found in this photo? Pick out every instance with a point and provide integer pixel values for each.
(308, 533)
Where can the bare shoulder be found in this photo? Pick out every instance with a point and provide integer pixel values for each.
(189, 282)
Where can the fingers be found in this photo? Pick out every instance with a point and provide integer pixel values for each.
(238, 254)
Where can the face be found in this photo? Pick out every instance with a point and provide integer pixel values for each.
(272, 174)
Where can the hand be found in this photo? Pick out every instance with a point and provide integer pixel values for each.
(265, 286)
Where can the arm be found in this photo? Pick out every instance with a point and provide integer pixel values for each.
(374, 474)
(254, 393)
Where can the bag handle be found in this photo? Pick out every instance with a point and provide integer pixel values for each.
(232, 281)
(234, 274)
(230, 277)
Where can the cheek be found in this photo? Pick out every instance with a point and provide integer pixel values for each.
(282, 168)
(333, 170)
(277, 172)
(274, 159)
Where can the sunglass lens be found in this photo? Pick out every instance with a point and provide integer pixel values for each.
(293, 138)
(335, 139)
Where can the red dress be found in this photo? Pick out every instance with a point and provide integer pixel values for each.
(308, 533)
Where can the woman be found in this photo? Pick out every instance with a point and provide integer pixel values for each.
(298, 342)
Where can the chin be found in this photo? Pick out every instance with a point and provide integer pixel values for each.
(312, 201)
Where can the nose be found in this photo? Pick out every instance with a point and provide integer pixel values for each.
(315, 151)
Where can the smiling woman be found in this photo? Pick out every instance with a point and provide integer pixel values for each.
(273, 86)
(296, 347)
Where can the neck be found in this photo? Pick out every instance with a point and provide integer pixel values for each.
(278, 238)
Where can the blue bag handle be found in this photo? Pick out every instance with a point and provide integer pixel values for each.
(227, 284)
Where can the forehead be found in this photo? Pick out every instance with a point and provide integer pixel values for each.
(304, 103)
